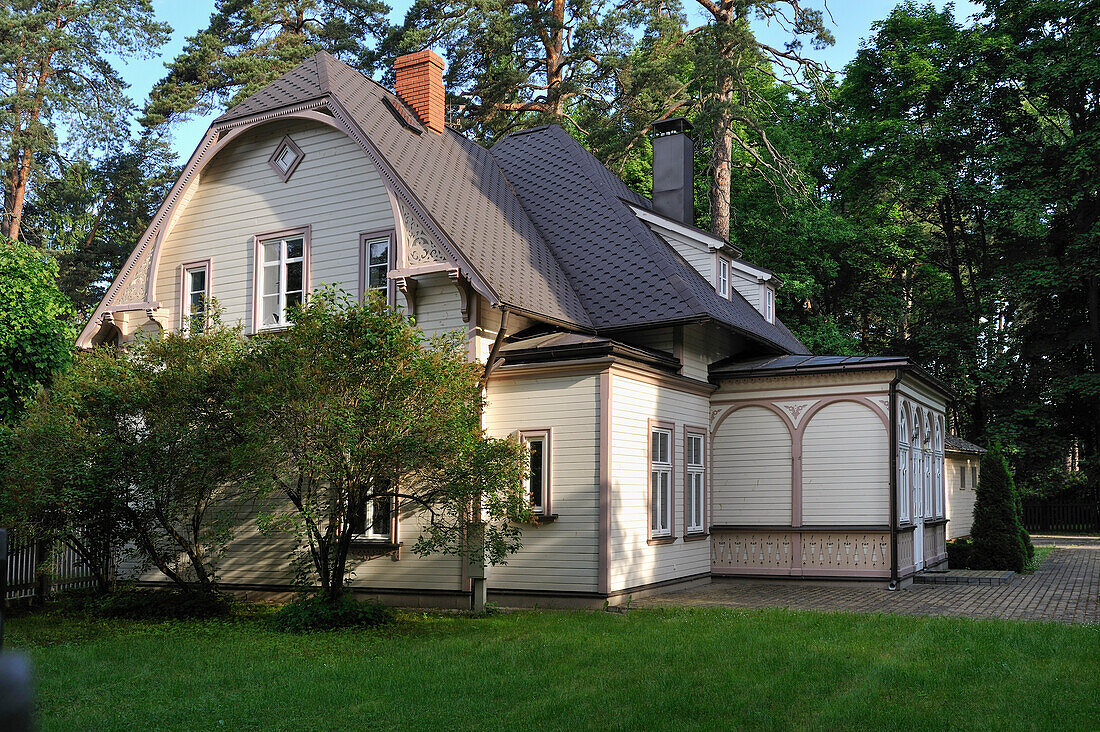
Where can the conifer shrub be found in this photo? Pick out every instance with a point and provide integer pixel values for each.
(998, 534)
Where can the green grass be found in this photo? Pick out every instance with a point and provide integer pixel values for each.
(668, 669)
(1040, 556)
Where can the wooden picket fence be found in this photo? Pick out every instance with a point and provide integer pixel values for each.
(1076, 517)
(35, 567)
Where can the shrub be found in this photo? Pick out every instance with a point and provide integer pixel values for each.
(150, 604)
(958, 552)
(998, 534)
(316, 612)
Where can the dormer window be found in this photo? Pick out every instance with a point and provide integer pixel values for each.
(723, 277)
(769, 304)
(286, 158)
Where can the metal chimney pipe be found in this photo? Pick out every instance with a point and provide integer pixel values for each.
(673, 169)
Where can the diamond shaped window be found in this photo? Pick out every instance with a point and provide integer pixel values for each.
(284, 161)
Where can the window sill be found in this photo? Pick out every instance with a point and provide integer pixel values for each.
(272, 329)
(658, 540)
(698, 536)
(372, 547)
(538, 519)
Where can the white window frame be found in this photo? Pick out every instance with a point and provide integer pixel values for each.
(366, 239)
(929, 509)
(938, 487)
(660, 508)
(769, 304)
(723, 277)
(369, 534)
(903, 468)
(186, 271)
(543, 436)
(695, 481)
(262, 269)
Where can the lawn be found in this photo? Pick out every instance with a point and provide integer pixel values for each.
(669, 669)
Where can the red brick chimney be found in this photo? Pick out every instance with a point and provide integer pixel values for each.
(420, 84)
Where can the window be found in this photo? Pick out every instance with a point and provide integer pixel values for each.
(286, 158)
(769, 304)
(375, 256)
(723, 277)
(695, 484)
(195, 291)
(962, 478)
(927, 475)
(938, 478)
(375, 521)
(283, 270)
(903, 469)
(974, 477)
(660, 467)
(537, 481)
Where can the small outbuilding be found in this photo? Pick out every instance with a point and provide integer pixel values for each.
(963, 468)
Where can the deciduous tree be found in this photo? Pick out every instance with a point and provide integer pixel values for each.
(352, 411)
(36, 327)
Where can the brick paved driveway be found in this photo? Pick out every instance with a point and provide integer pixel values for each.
(1064, 589)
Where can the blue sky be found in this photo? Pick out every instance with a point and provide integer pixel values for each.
(851, 22)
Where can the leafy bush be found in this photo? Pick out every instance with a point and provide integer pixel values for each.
(958, 552)
(315, 612)
(998, 533)
(151, 604)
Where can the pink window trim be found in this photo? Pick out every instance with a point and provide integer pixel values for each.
(694, 431)
(547, 434)
(364, 263)
(306, 232)
(286, 143)
(654, 424)
(185, 308)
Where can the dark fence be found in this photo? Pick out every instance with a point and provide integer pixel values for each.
(36, 567)
(1077, 517)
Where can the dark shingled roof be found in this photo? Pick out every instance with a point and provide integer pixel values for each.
(802, 364)
(625, 274)
(538, 218)
(953, 443)
(455, 181)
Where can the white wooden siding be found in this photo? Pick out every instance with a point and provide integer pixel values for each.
(748, 286)
(703, 345)
(335, 189)
(562, 555)
(257, 558)
(752, 469)
(657, 339)
(960, 499)
(633, 562)
(845, 467)
(438, 305)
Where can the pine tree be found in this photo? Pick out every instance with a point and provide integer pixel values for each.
(998, 533)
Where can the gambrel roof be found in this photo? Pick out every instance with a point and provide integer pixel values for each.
(539, 223)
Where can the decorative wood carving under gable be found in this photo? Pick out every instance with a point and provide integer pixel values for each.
(136, 287)
(420, 246)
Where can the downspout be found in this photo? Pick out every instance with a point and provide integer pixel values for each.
(893, 437)
(491, 360)
(476, 571)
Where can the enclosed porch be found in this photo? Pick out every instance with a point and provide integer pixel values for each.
(827, 468)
